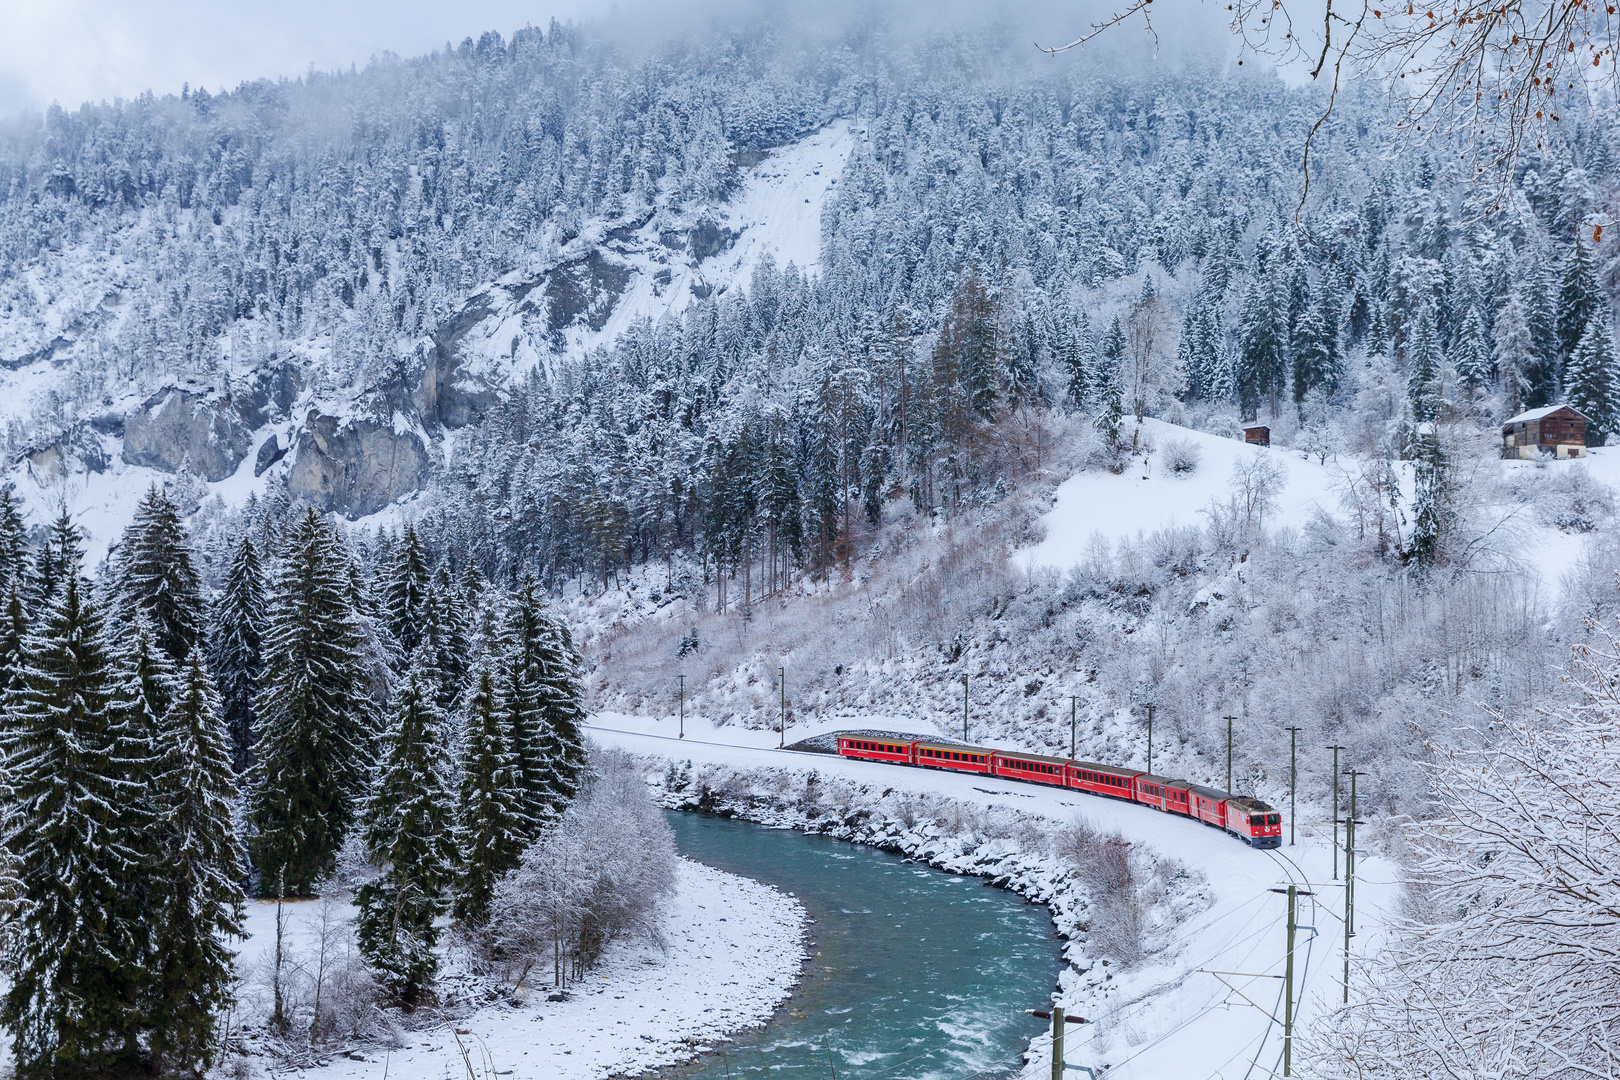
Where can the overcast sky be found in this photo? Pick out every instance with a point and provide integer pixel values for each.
(72, 51)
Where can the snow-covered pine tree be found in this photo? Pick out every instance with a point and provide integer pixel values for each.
(1579, 299)
(1592, 382)
(13, 537)
(235, 643)
(408, 822)
(491, 826)
(1515, 352)
(522, 700)
(1260, 350)
(73, 943)
(157, 576)
(1471, 354)
(315, 722)
(196, 902)
(1316, 359)
(452, 655)
(1423, 368)
(562, 707)
(1542, 375)
(1110, 362)
(13, 635)
(404, 593)
(60, 556)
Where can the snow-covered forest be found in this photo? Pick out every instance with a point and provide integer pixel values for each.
(546, 373)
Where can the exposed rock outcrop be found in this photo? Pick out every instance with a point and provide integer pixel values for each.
(356, 466)
(206, 433)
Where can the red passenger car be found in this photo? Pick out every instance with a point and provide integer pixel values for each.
(1042, 770)
(969, 759)
(1161, 793)
(874, 749)
(1102, 779)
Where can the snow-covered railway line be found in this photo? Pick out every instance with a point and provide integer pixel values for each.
(1162, 1017)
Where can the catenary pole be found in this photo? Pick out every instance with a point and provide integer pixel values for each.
(964, 708)
(1072, 700)
(1349, 880)
(1150, 738)
(1229, 720)
(1293, 776)
(781, 673)
(1335, 814)
(682, 678)
(1057, 1042)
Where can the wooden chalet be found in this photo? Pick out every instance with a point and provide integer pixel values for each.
(1553, 430)
(1257, 434)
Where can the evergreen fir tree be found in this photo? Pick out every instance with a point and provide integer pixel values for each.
(1471, 355)
(74, 942)
(1592, 382)
(1423, 369)
(1112, 418)
(197, 901)
(13, 537)
(491, 826)
(408, 834)
(60, 557)
(1541, 377)
(314, 718)
(235, 642)
(1110, 361)
(1515, 353)
(1260, 351)
(1316, 355)
(404, 593)
(562, 708)
(1579, 300)
(1433, 504)
(157, 576)
(13, 635)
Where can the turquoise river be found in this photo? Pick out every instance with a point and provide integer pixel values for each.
(915, 974)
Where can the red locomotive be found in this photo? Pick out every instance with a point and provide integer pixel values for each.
(1252, 821)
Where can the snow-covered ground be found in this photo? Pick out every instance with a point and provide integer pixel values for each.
(1147, 497)
(1169, 1019)
(732, 952)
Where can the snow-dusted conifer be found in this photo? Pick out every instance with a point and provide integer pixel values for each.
(490, 827)
(196, 902)
(157, 576)
(404, 593)
(73, 941)
(314, 720)
(13, 537)
(235, 649)
(1592, 382)
(408, 821)
(1515, 352)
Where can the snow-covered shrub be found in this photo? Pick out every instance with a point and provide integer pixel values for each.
(1181, 456)
(600, 874)
(1105, 865)
(1573, 502)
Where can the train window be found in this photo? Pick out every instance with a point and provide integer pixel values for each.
(1273, 819)
(1257, 821)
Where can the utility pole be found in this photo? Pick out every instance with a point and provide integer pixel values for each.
(1293, 758)
(1057, 1042)
(1293, 892)
(683, 704)
(1335, 815)
(1071, 726)
(964, 708)
(1229, 720)
(1150, 738)
(781, 673)
(1349, 879)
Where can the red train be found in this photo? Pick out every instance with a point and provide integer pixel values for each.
(1250, 820)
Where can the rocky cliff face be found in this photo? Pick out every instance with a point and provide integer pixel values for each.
(356, 466)
(206, 432)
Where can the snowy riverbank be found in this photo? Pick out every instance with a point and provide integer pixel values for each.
(731, 952)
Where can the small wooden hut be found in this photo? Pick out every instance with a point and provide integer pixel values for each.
(1554, 430)
(1257, 434)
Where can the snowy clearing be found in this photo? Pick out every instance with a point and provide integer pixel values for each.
(733, 949)
(1167, 1018)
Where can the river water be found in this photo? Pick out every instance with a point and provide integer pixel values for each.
(915, 974)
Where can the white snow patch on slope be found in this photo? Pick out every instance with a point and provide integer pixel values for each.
(778, 209)
(734, 948)
(1148, 498)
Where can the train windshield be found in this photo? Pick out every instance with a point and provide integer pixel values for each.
(1273, 819)
(1257, 821)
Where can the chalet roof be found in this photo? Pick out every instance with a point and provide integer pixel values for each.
(1253, 427)
(1544, 411)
